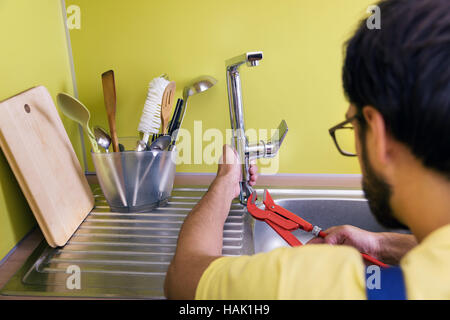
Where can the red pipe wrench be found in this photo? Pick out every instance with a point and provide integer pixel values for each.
(284, 222)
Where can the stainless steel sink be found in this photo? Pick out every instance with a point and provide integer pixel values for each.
(324, 208)
(126, 255)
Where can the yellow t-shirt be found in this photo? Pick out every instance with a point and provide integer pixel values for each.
(324, 272)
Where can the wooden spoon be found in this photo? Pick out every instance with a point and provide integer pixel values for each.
(109, 94)
(166, 105)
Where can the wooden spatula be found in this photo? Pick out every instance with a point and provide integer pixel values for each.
(166, 105)
(109, 94)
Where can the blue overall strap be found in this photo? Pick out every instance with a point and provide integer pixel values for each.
(389, 286)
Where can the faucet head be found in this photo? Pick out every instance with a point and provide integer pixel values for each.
(251, 59)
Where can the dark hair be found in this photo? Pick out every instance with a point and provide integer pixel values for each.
(403, 70)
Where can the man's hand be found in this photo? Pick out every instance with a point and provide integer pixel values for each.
(363, 241)
(230, 170)
(388, 247)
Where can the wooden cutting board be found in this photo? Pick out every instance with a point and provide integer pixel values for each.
(41, 156)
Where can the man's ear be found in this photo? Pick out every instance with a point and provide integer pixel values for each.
(376, 136)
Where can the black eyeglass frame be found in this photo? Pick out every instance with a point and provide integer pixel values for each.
(341, 125)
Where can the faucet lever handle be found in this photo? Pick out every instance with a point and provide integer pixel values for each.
(274, 144)
(269, 149)
(280, 134)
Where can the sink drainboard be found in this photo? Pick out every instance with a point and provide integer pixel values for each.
(122, 255)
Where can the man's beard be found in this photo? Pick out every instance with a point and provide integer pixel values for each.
(378, 193)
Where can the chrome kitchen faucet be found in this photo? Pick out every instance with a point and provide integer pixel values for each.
(245, 150)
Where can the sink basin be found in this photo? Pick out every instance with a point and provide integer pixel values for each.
(321, 211)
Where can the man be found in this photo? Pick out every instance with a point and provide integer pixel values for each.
(397, 80)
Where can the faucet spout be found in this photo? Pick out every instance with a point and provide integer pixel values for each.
(244, 150)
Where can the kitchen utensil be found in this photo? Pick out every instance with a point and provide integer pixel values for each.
(161, 143)
(166, 106)
(175, 116)
(40, 154)
(102, 137)
(75, 110)
(141, 146)
(283, 222)
(150, 121)
(109, 94)
(197, 85)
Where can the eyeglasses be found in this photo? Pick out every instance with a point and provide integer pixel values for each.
(344, 137)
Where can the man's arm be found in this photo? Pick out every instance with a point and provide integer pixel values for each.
(199, 242)
(393, 246)
(388, 247)
(200, 238)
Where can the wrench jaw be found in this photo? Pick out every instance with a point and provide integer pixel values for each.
(267, 200)
(252, 207)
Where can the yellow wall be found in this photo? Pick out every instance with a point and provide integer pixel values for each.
(298, 80)
(33, 52)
